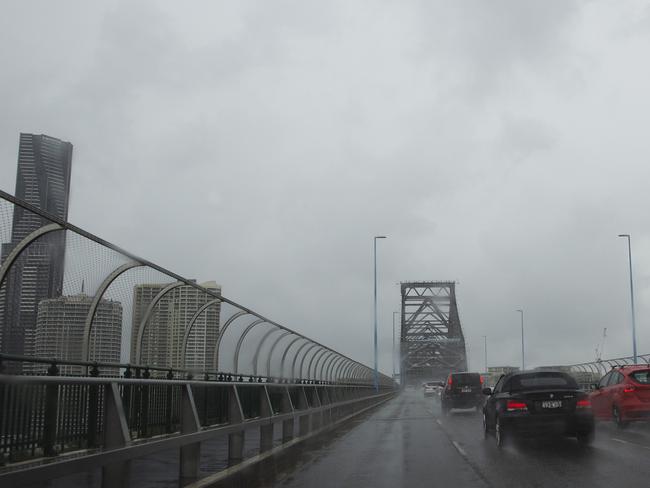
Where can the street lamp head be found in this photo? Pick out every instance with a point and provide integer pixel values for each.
(380, 237)
(624, 235)
(520, 310)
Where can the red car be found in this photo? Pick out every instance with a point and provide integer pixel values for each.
(623, 395)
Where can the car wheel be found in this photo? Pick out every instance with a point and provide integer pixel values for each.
(585, 438)
(618, 418)
(499, 433)
(486, 431)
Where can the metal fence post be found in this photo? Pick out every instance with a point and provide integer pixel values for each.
(287, 407)
(191, 453)
(116, 435)
(169, 403)
(303, 420)
(93, 407)
(51, 413)
(316, 418)
(236, 439)
(325, 400)
(266, 430)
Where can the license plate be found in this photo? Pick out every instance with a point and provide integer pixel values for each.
(466, 389)
(552, 404)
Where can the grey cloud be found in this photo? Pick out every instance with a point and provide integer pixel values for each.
(264, 144)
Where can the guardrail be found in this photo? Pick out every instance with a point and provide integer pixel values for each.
(84, 423)
(230, 337)
(200, 366)
(589, 373)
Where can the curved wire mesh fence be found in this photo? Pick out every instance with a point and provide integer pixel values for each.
(74, 304)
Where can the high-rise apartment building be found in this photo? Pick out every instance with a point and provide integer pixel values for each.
(43, 180)
(60, 330)
(165, 328)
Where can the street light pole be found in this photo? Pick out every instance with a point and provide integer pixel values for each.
(523, 362)
(394, 369)
(485, 344)
(376, 375)
(629, 254)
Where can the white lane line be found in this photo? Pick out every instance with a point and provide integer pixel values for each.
(630, 443)
(459, 449)
(439, 422)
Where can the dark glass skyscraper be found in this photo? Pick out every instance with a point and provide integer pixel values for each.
(43, 180)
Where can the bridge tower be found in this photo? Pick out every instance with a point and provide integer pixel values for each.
(431, 339)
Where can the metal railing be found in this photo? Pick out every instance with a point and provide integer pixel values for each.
(589, 373)
(199, 364)
(236, 338)
(113, 420)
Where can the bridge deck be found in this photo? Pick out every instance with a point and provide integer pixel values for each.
(408, 443)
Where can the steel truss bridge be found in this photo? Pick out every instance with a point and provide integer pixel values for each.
(431, 339)
(202, 367)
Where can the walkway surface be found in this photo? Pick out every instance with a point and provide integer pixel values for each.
(408, 443)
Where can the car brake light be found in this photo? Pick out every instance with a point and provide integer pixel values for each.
(481, 378)
(584, 403)
(516, 406)
(449, 381)
(629, 388)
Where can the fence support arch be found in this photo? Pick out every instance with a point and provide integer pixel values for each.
(147, 314)
(318, 355)
(88, 325)
(230, 320)
(190, 326)
(250, 327)
(271, 350)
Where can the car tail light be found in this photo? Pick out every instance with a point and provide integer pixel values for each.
(584, 403)
(516, 406)
(481, 379)
(629, 388)
(449, 381)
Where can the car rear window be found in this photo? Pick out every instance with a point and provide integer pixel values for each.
(535, 381)
(642, 376)
(471, 379)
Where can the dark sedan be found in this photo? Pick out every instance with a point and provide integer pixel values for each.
(536, 403)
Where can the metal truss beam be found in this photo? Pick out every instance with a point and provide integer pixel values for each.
(431, 337)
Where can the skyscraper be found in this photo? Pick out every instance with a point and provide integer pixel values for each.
(60, 329)
(43, 180)
(165, 328)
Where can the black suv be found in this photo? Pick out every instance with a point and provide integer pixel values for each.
(462, 390)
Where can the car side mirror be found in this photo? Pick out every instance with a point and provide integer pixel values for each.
(487, 391)
(596, 386)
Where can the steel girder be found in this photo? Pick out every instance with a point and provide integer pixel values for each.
(431, 337)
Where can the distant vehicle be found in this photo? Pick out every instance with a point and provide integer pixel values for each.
(462, 390)
(623, 395)
(538, 403)
(430, 388)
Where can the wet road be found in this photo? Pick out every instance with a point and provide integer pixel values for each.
(407, 442)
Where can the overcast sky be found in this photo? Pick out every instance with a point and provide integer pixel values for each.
(501, 144)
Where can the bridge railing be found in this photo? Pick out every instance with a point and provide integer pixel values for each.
(588, 373)
(101, 348)
(111, 421)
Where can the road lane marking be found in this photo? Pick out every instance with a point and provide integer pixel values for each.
(630, 443)
(459, 449)
(439, 422)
